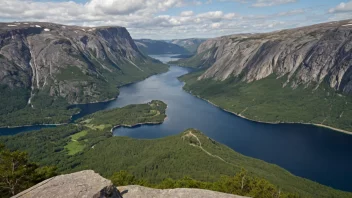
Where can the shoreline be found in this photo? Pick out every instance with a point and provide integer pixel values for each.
(33, 125)
(278, 122)
(137, 124)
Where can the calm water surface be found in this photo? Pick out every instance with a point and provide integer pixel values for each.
(315, 153)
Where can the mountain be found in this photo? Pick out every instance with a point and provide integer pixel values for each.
(148, 46)
(48, 65)
(191, 44)
(302, 56)
(299, 75)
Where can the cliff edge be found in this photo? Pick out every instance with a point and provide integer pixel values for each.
(89, 184)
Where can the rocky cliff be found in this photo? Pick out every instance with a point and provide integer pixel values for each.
(79, 64)
(144, 192)
(81, 184)
(89, 184)
(304, 56)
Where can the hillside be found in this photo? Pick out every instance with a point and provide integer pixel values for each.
(191, 44)
(46, 67)
(298, 75)
(148, 46)
(88, 144)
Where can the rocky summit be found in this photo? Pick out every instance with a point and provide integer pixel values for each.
(144, 192)
(86, 184)
(89, 184)
(303, 56)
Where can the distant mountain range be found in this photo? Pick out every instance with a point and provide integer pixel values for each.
(178, 46)
(190, 45)
(148, 46)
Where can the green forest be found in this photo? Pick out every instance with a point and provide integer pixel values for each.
(187, 159)
(267, 100)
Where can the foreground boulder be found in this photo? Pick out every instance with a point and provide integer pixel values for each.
(86, 184)
(144, 192)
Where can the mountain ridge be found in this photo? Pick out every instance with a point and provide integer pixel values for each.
(54, 65)
(305, 56)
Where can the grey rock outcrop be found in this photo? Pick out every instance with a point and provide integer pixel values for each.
(304, 56)
(87, 184)
(76, 63)
(143, 192)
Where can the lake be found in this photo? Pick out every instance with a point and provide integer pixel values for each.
(318, 154)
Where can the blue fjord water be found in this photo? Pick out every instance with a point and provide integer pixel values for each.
(315, 153)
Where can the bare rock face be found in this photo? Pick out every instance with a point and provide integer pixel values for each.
(143, 192)
(68, 61)
(303, 56)
(87, 184)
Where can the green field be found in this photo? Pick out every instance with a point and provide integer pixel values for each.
(74, 146)
(267, 100)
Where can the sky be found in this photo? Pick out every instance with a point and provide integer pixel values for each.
(175, 19)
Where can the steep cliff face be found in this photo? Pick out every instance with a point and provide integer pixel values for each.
(77, 63)
(303, 56)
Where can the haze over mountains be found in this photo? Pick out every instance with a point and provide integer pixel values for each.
(177, 46)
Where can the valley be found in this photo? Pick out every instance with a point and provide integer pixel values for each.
(257, 115)
(304, 150)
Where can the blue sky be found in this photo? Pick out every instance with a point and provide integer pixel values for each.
(169, 19)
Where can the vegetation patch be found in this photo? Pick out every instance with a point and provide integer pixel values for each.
(75, 145)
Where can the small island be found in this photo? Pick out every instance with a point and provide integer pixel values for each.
(129, 116)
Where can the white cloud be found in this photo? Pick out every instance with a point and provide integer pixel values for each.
(213, 16)
(187, 13)
(291, 12)
(147, 19)
(342, 7)
(215, 25)
(267, 3)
